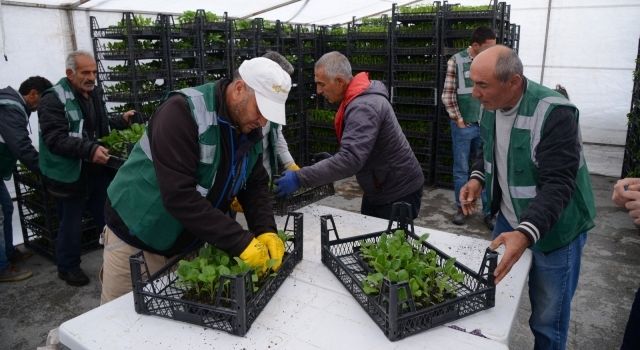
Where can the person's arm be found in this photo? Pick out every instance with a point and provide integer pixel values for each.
(54, 128)
(175, 150)
(257, 201)
(282, 149)
(558, 157)
(449, 93)
(14, 131)
(361, 126)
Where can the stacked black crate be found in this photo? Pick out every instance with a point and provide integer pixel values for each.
(39, 219)
(309, 46)
(213, 45)
(631, 163)
(368, 48)
(457, 25)
(414, 73)
(289, 46)
(132, 66)
(243, 35)
(321, 135)
(182, 54)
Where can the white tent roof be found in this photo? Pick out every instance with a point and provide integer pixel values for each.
(298, 11)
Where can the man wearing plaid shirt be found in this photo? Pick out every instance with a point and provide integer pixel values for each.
(464, 112)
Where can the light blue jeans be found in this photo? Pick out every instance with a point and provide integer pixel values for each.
(466, 143)
(553, 279)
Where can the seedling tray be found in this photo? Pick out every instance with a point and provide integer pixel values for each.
(303, 197)
(399, 319)
(162, 295)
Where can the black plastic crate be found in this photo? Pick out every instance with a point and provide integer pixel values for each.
(39, 220)
(400, 319)
(162, 295)
(301, 198)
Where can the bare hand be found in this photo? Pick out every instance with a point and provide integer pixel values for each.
(460, 123)
(632, 204)
(626, 184)
(100, 156)
(128, 115)
(469, 193)
(515, 243)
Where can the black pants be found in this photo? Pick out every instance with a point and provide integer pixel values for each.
(70, 212)
(631, 338)
(384, 210)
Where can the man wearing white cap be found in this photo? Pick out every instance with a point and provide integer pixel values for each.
(202, 147)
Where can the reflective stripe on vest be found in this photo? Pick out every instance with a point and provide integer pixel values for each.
(463, 89)
(54, 166)
(522, 167)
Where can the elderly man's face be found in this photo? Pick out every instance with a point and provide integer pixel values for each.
(332, 89)
(492, 93)
(244, 109)
(83, 78)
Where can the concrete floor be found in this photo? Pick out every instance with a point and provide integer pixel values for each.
(608, 281)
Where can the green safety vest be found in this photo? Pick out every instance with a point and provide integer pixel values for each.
(7, 159)
(134, 193)
(522, 168)
(469, 106)
(54, 166)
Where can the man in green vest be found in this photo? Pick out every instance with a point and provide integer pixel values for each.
(464, 114)
(15, 144)
(537, 181)
(72, 117)
(202, 147)
(275, 147)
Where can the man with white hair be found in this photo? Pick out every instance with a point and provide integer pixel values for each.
(72, 117)
(202, 147)
(372, 144)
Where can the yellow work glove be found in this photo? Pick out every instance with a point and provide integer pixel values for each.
(293, 167)
(235, 205)
(256, 255)
(275, 246)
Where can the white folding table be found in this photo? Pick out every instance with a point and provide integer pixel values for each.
(311, 310)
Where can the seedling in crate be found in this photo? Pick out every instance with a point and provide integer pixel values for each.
(394, 258)
(201, 276)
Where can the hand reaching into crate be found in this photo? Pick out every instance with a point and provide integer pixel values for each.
(274, 245)
(256, 255)
(515, 243)
(287, 184)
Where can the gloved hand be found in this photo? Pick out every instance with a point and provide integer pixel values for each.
(287, 184)
(275, 246)
(293, 167)
(256, 255)
(235, 205)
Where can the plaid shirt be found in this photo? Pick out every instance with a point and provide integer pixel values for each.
(449, 94)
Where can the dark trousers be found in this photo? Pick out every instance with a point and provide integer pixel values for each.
(631, 338)
(7, 210)
(70, 210)
(384, 210)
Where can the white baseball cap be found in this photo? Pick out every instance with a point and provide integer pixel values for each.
(271, 85)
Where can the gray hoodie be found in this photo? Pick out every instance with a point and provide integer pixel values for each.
(374, 148)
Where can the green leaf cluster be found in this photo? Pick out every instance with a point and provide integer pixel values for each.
(320, 115)
(201, 277)
(417, 9)
(398, 260)
(120, 141)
